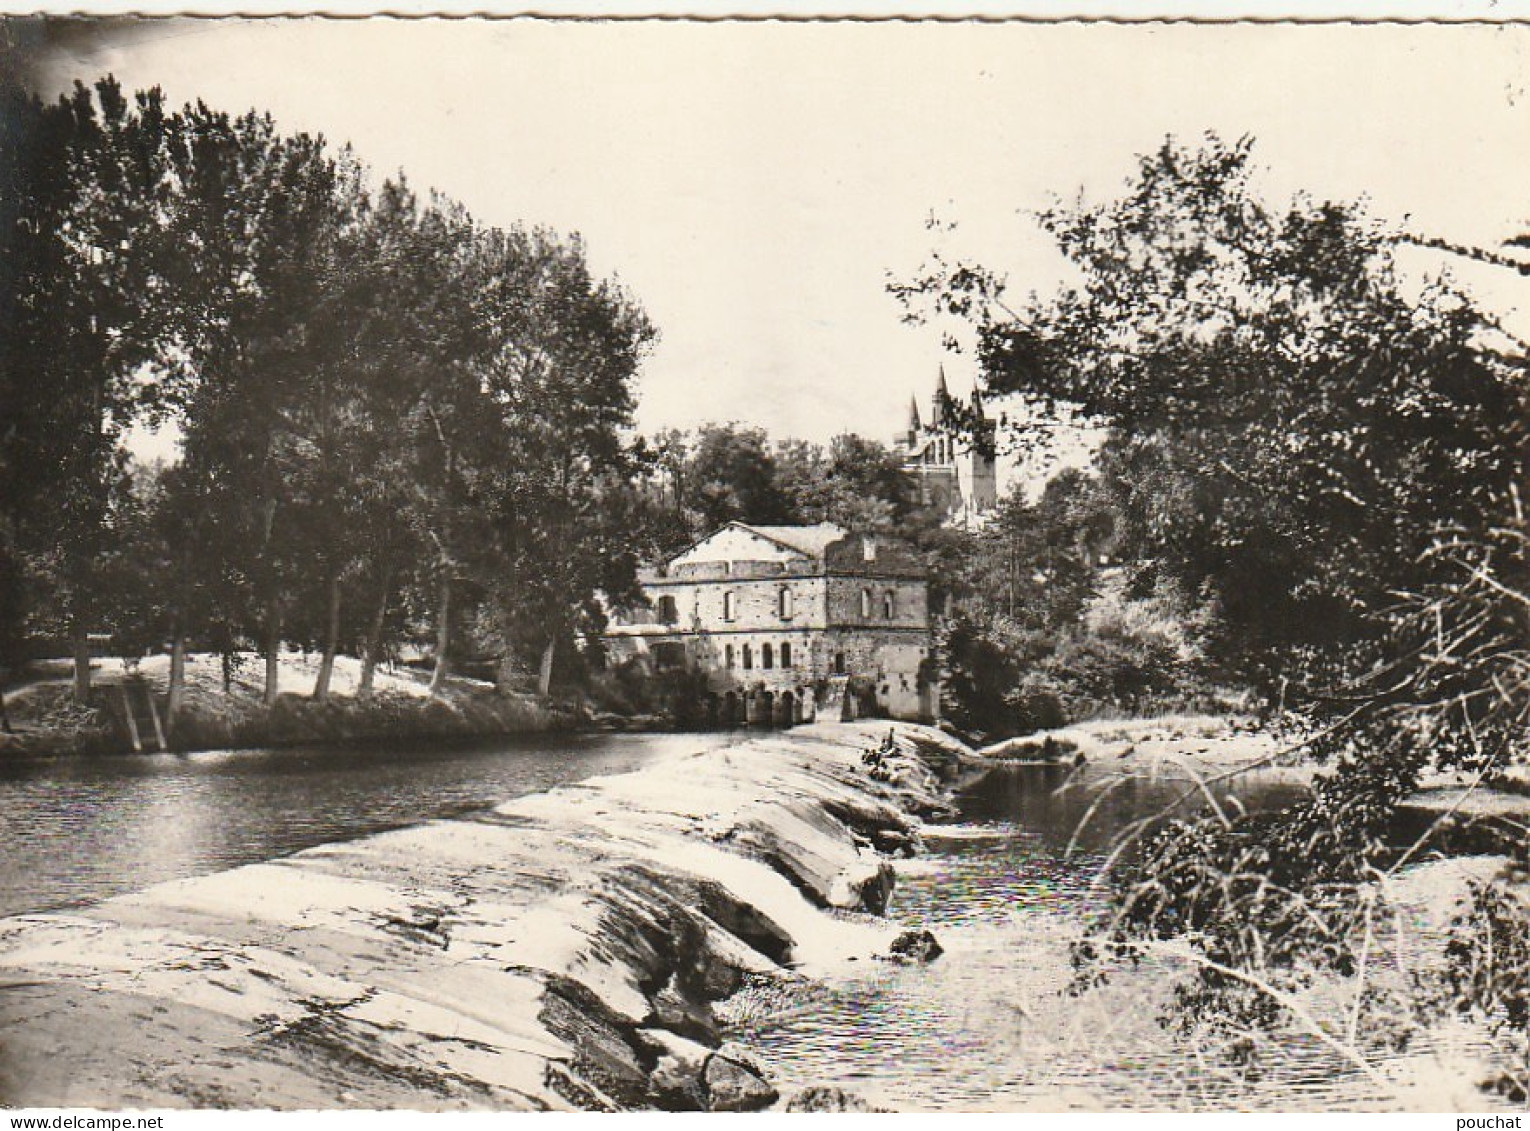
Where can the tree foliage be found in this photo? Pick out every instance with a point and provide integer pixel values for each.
(1292, 427)
(82, 242)
(379, 397)
(1044, 632)
(729, 472)
(1327, 458)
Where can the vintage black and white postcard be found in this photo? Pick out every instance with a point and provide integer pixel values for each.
(855, 565)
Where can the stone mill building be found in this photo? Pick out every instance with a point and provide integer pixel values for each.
(788, 623)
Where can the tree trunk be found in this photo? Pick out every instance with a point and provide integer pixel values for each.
(273, 650)
(177, 681)
(545, 673)
(331, 642)
(508, 669)
(81, 664)
(443, 635)
(375, 638)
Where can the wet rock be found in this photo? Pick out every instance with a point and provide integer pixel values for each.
(802, 841)
(892, 842)
(650, 924)
(866, 885)
(820, 1099)
(1041, 747)
(1507, 1087)
(676, 1083)
(745, 922)
(676, 1011)
(603, 1053)
(916, 946)
(735, 1082)
(552, 937)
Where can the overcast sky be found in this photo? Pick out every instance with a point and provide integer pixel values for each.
(754, 183)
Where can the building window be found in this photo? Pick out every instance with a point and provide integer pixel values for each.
(839, 663)
(667, 655)
(668, 612)
(786, 655)
(748, 658)
(785, 600)
(887, 605)
(865, 604)
(766, 656)
(728, 607)
(728, 655)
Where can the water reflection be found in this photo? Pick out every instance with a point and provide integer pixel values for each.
(80, 829)
(1087, 808)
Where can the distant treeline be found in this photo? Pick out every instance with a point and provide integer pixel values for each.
(388, 409)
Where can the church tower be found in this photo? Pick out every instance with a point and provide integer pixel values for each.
(977, 468)
(956, 472)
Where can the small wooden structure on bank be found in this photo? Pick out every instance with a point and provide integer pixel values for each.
(142, 714)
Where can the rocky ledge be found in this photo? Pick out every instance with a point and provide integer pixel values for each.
(560, 951)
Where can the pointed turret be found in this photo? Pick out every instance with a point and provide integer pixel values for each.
(938, 401)
(914, 425)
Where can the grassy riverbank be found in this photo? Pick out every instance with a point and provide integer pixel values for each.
(46, 719)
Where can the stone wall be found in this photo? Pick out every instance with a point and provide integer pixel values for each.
(910, 603)
(756, 602)
(861, 613)
(890, 659)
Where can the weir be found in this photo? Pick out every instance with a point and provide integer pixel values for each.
(560, 951)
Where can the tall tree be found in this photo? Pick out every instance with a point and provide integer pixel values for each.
(562, 381)
(413, 356)
(732, 477)
(856, 483)
(266, 215)
(434, 344)
(1037, 564)
(85, 201)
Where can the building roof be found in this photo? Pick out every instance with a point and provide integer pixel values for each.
(810, 540)
(790, 541)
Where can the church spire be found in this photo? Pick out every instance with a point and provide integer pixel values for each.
(914, 425)
(938, 401)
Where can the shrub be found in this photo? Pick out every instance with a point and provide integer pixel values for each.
(1487, 976)
(1002, 679)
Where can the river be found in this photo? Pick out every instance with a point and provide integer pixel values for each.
(82, 829)
(1004, 887)
(988, 1026)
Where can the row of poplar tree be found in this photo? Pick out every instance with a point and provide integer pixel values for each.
(389, 411)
